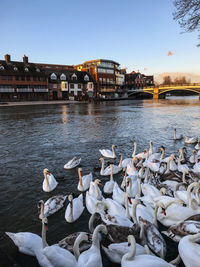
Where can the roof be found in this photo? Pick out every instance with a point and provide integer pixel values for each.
(96, 60)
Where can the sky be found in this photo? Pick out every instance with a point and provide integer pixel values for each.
(140, 35)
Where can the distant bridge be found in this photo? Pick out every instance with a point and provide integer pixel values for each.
(157, 91)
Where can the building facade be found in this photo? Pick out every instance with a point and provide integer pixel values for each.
(25, 81)
(107, 75)
(136, 80)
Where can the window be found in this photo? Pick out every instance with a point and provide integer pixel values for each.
(34, 78)
(54, 85)
(100, 80)
(23, 78)
(10, 78)
(71, 85)
(3, 77)
(53, 76)
(104, 80)
(1, 67)
(28, 78)
(38, 70)
(26, 69)
(74, 77)
(86, 78)
(63, 77)
(79, 86)
(15, 68)
(39, 78)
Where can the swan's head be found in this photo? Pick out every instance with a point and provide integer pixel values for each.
(98, 182)
(174, 129)
(40, 207)
(45, 222)
(163, 191)
(151, 143)
(46, 171)
(131, 239)
(113, 146)
(80, 171)
(162, 148)
(162, 206)
(194, 152)
(173, 157)
(101, 159)
(70, 198)
(102, 228)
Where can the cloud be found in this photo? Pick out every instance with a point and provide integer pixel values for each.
(169, 53)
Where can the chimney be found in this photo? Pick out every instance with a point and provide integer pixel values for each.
(25, 59)
(7, 58)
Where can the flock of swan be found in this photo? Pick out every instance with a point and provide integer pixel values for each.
(125, 218)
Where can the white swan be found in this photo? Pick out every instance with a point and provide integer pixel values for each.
(84, 181)
(49, 183)
(90, 202)
(130, 259)
(52, 205)
(176, 136)
(118, 194)
(92, 256)
(116, 251)
(94, 190)
(189, 250)
(131, 168)
(182, 167)
(190, 140)
(72, 163)
(108, 187)
(74, 209)
(108, 153)
(193, 157)
(132, 187)
(197, 147)
(196, 167)
(106, 171)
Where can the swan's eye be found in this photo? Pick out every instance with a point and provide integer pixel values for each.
(163, 211)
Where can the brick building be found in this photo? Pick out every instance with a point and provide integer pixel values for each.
(107, 75)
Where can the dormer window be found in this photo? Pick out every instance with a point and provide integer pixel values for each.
(15, 68)
(38, 70)
(53, 76)
(74, 77)
(26, 69)
(1, 67)
(63, 77)
(86, 78)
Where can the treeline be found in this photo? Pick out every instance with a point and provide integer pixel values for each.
(167, 80)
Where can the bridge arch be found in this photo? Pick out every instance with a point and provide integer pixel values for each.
(178, 89)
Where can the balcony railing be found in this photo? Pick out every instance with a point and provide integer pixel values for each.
(7, 90)
(24, 90)
(41, 90)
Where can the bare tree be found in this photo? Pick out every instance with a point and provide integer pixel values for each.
(167, 80)
(188, 14)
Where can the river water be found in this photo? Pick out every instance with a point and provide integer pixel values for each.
(36, 137)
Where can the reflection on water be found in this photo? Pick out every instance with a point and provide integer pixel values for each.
(37, 137)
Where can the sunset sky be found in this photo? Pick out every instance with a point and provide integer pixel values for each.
(140, 35)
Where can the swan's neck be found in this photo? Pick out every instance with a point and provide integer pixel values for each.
(134, 150)
(113, 152)
(111, 173)
(46, 179)
(139, 187)
(183, 177)
(174, 134)
(130, 255)
(77, 242)
(189, 189)
(95, 236)
(162, 154)
(147, 154)
(120, 162)
(97, 191)
(91, 222)
(80, 179)
(44, 242)
(197, 196)
(71, 211)
(127, 209)
(146, 175)
(102, 166)
(168, 162)
(134, 217)
(155, 215)
(129, 185)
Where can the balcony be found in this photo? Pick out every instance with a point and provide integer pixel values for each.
(7, 90)
(41, 90)
(24, 90)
